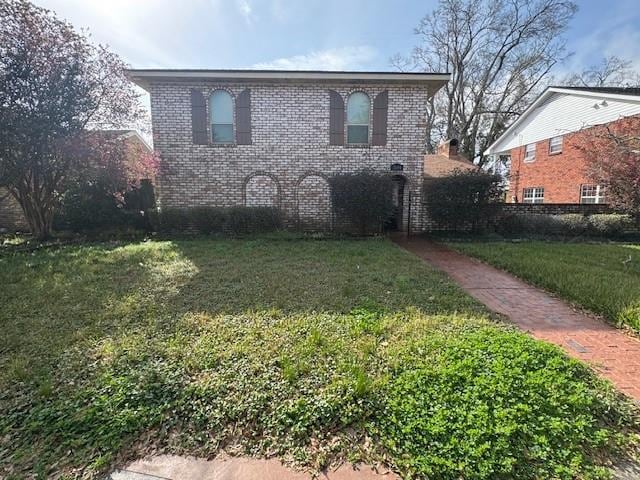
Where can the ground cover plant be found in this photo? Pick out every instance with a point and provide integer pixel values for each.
(309, 350)
(602, 277)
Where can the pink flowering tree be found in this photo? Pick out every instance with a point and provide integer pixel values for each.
(54, 86)
(613, 157)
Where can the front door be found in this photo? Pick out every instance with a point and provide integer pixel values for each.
(395, 222)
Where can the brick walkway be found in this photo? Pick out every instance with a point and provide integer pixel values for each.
(611, 352)
(223, 467)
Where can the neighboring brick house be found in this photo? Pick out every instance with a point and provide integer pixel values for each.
(11, 216)
(541, 146)
(272, 138)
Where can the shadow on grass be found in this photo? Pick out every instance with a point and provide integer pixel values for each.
(53, 299)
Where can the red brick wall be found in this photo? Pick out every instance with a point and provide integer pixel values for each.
(560, 174)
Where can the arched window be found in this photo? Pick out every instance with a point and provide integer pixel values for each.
(221, 112)
(358, 118)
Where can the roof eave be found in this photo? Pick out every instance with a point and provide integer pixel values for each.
(491, 150)
(586, 93)
(143, 78)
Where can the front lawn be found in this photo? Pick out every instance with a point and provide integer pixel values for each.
(604, 278)
(313, 351)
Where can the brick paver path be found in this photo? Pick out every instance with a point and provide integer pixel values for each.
(223, 467)
(611, 352)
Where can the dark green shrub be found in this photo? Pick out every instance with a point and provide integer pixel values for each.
(142, 198)
(511, 224)
(91, 206)
(229, 220)
(245, 220)
(208, 220)
(171, 220)
(609, 225)
(565, 225)
(364, 199)
(571, 224)
(463, 200)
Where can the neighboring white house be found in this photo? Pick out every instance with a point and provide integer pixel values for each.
(540, 146)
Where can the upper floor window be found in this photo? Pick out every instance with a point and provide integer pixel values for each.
(358, 106)
(592, 194)
(555, 145)
(533, 195)
(221, 113)
(530, 152)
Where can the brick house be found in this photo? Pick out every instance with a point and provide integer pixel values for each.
(272, 138)
(540, 147)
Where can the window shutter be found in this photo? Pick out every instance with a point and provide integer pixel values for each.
(336, 118)
(243, 117)
(380, 105)
(198, 118)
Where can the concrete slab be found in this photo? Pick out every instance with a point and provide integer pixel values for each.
(223, 467)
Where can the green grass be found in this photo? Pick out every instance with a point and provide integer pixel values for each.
(313, 351)
(604, 278)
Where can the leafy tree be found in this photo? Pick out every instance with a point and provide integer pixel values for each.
(54, 85)
(499, 54)
(612, 153)
(463, 199)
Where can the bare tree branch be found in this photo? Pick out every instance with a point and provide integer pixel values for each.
(498, 53)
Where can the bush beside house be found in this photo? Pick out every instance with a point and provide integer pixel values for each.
(464, 200)
(362, 201)
(92, 206)
(566, 225)
(233, 221)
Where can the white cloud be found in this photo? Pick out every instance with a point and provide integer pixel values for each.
(245, 10)
(146, 33)
(344, 58)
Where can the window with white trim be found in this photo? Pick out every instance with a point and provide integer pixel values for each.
(221, 113)
(358, 106)
(530, 152)
(592, 194)
(555, 145)
(533, 195)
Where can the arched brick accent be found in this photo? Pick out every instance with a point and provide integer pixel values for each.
(261, 190)
(313, 196)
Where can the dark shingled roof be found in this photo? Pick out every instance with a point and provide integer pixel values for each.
(612, 90)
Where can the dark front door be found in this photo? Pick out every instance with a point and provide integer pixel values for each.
(395, 222)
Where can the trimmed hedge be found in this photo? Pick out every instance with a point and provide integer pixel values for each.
(363, 199)
(218, 220)
(463, 200)
(610, 225)
(92, 207)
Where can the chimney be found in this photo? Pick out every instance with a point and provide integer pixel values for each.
(448, 148)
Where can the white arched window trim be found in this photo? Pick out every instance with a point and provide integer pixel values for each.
(221, 117)
(358, 118)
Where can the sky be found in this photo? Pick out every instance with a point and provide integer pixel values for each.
(308, 34)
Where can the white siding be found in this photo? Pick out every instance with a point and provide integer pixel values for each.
(563, 113)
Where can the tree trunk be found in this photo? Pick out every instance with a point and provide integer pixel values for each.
(38, 214)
